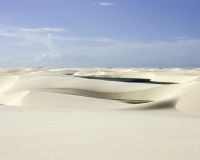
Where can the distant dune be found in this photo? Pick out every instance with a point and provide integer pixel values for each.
(99, 113)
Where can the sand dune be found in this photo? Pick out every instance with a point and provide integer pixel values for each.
(62, 82)
(7, 81)
(13, 98)
(93, 113)
(190, 102)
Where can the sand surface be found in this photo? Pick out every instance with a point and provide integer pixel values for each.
(99, 113)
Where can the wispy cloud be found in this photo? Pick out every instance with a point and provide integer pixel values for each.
(41, 30)
(37, 39)
(106, 4)
(40, 57)
(104, 40)
(38, 33)
(41, 46)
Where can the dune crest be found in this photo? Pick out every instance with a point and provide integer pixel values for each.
(7, 81)
(13, 99)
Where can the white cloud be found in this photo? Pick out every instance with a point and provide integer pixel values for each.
(40, 30)
(7, 34)
(35, 33)
(49, 35)
(183, 37)
(106, 4)
(94, 3)
(40, 57)
(104, 40)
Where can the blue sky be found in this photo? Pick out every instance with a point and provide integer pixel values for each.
(95, 33)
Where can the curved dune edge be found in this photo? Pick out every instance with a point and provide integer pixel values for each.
(57, 100)
(190, 102)
(151, 94)
(13, 99)
(7, 82)
(46, 82)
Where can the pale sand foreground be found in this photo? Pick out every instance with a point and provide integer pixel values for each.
(55, 114)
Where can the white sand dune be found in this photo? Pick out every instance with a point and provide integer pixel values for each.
(45, 80)
(7, 81)
(92, 113)
(13, 98)
(42, 99)
(190, 102)
(174, 79)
